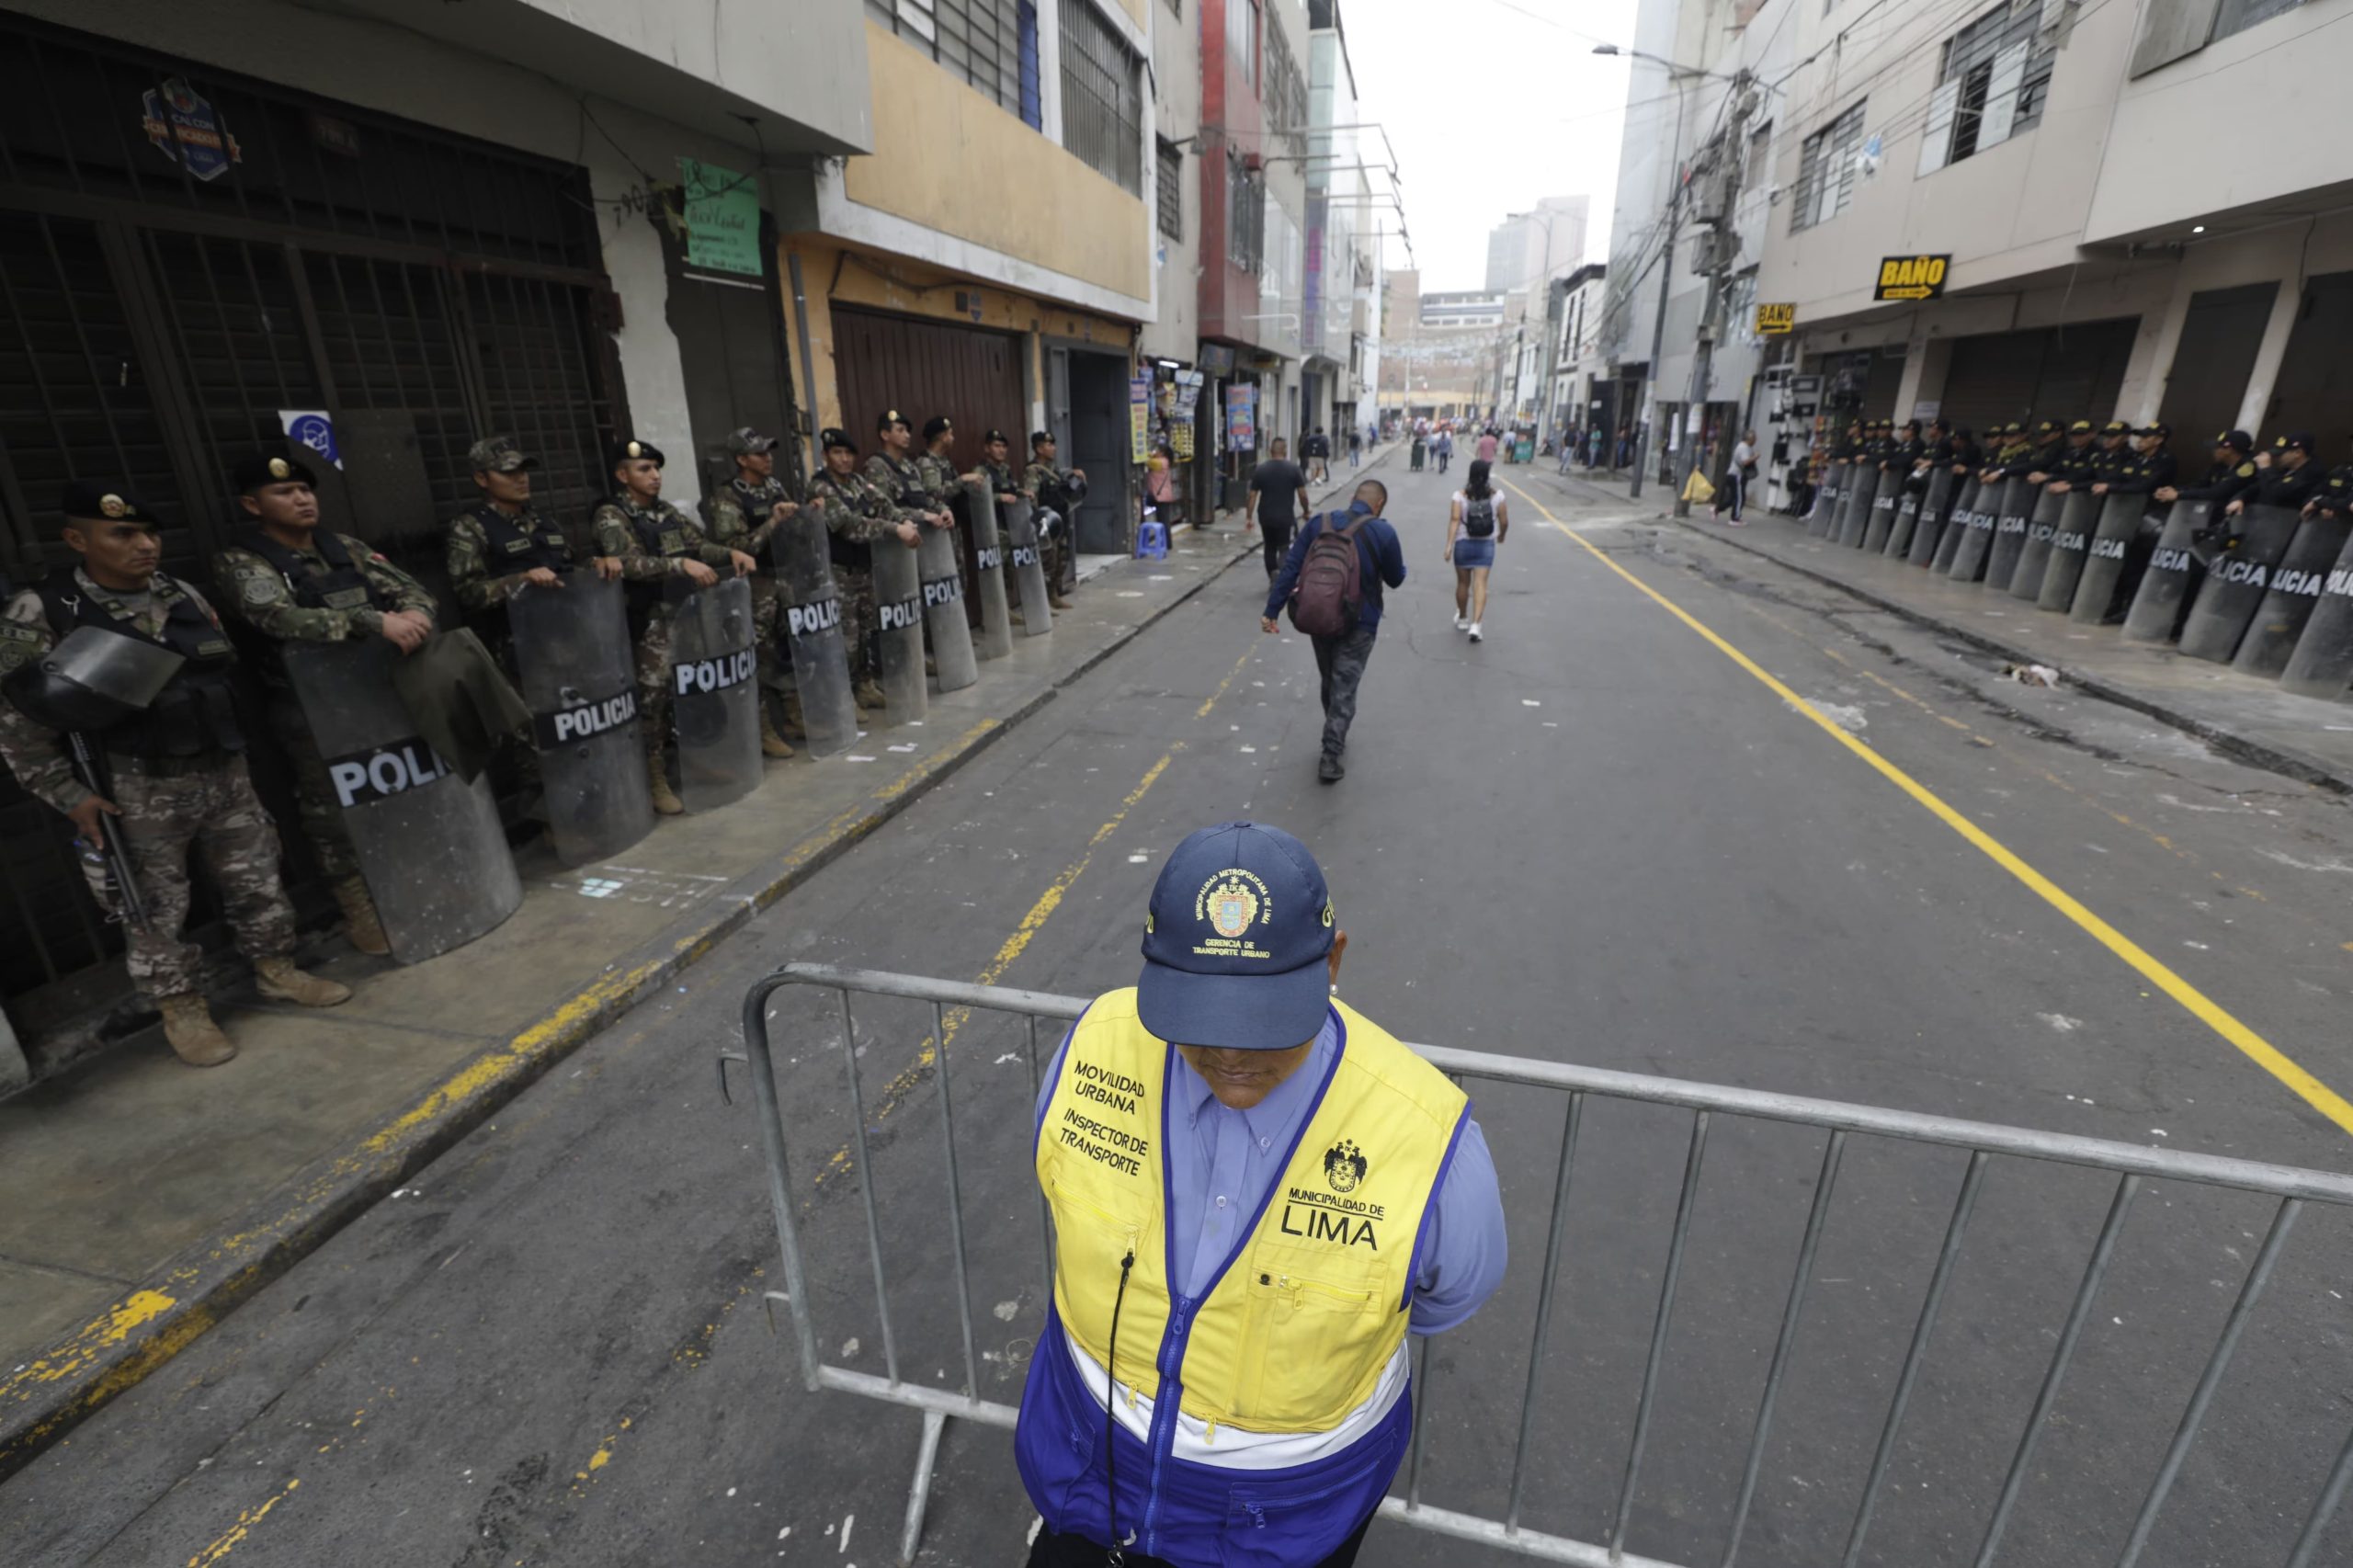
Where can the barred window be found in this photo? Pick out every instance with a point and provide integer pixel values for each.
(1285, 91)
(1170, 180)
(1102, 96)
(1826, 171)
(993, 44)
(1993, 79)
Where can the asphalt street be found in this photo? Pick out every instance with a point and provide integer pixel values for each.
(1595, 837)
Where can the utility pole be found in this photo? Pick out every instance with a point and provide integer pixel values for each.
(1658, 346)
(1723, 247)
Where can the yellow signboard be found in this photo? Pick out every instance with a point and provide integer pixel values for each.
(1775, 320)
(1911, 277)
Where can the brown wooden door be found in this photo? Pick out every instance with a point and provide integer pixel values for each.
(923, 368)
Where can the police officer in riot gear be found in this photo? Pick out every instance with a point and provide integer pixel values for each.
(654, 543)
(2292, 476)
(895, 472)
(2232, 472)
(292, 581)
(1055, 490)
(173, 772)
(745, 513)
(2148, 471)
(499, 546)
(859, 516)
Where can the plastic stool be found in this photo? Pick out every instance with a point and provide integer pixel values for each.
(1152, 539)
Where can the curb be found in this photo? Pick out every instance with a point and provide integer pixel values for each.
(2265, 755)
(197, 1287)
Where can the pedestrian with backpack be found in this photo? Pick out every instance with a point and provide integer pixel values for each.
(1474, 525)
(1332, 582)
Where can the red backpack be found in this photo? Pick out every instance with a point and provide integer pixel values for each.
(1329, 595)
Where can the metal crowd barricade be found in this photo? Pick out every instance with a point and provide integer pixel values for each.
(1982, 1141)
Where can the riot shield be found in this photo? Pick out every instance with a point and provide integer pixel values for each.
(938, 563)
(2013, 515)
(802, 567)
(1824, 516)
(898, 606)
(2034, 545)
(2321, 665)
(1855, 512)
(2175, 571)
(578, 676)
(1887, 499)
(1023, 558)
(2119, 546)
(2071, 546)
(2236, 581)
(1936, 508)
(1976, 550)
(429, 844)
(2290, 597)
(1961, 524)
(978, 506)
(715, 693)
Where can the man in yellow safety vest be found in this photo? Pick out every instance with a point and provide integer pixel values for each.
(1257, 1192)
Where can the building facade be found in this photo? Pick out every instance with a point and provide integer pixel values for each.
(388, 229)
(1254, 154)
(2103, 240)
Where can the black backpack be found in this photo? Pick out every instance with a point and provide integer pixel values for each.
(1479, 516)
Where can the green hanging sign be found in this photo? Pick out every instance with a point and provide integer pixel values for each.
(722, 218)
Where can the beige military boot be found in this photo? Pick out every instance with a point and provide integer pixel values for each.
(771, 743)
(867, 694)
(665, 800)
(793, 728)
(196, 1039)
(279, 979)
(361, 927)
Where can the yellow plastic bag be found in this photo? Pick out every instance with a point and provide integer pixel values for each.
(1697, 488)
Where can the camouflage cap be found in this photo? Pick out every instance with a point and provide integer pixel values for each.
(747, 441)
(499, 454)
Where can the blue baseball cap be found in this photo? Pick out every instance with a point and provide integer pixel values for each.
(1236, 941)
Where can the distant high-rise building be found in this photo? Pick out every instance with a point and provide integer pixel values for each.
(1518, 248)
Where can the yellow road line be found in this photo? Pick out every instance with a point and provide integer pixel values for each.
(2271, 1058)
(246, 1519)
(895, 1092)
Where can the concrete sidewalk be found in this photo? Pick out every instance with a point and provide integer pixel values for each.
(140, 1200)
(2305, 738)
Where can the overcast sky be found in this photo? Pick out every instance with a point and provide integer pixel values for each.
(1491, 104)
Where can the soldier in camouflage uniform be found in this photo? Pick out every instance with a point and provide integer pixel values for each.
(935, 468)
(857, 515)
(178, 770)
(653, 541)
(497, 548)
(743, 515)
(996, 469)
(901, 476)
(1046, 485)
(293, 581)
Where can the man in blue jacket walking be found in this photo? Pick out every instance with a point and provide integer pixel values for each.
(1340, 659)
